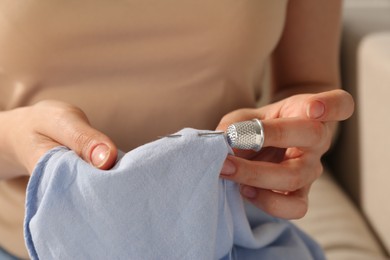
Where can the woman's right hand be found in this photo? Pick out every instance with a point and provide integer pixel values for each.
(27, 133)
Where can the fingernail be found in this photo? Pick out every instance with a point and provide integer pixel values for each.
(249, 192)
(100, 155)
(315, 110)
(228, 168)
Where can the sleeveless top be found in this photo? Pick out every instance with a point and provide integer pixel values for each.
(137, 68)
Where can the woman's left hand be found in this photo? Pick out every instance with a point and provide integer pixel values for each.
(298, 131)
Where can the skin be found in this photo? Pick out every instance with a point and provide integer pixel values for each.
(43, 126)
(278, 178)
(298, 127)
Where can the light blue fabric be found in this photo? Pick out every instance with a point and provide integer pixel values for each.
(163, 200)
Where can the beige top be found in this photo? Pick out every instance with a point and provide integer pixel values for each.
(138, 68)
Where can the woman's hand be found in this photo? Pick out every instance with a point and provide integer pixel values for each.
(298, 131)
(29, 132)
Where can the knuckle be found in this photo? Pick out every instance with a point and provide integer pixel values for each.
(226, 120)
(60, 110)
(301, 209)
(272, 206)
(248, 174)
(319, 170)
(279, 134)
(291, 208)
(71, 110)
(83, 141)
(295, 180)
(319, 132)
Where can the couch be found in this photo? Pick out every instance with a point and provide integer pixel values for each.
(350, 207)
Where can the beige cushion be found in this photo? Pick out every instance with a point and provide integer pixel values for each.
(374, 125)
(359, 159)
(336, 224)
(358, 24)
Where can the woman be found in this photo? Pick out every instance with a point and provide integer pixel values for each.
(100, 77)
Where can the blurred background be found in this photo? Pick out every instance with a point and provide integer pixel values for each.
(350, 206)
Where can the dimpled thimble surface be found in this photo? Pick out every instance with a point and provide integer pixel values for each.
(246, 135)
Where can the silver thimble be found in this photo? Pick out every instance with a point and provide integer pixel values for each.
(246, 135)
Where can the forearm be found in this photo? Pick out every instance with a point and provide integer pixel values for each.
(306, 59)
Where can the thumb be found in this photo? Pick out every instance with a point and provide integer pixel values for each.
(68, 125)
(95, 148)
(334, 105)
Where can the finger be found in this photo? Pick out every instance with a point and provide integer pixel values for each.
(269, 154)
(69, 126)
(335, 105)
(294, 132)
(289, 176)
(239, 115)
(282, 132)
(291, 206)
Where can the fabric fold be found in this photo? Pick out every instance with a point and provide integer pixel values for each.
(163, 200)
